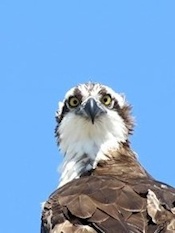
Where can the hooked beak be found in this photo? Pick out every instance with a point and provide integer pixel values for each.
(91, 109)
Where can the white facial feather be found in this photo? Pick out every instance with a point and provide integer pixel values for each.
(84, 144)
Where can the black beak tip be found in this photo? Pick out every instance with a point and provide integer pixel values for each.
(92, 109)
(92, 120)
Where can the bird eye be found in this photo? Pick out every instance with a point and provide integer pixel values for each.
(106, 100)
(73, 101)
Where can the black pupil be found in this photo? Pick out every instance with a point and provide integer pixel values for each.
(105, 99)
(75, 102)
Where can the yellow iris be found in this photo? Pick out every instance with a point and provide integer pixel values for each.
(106, 100)
(73, 101)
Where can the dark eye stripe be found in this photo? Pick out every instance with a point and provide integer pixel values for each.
(103, 91)
(64, 111)
(77, 94)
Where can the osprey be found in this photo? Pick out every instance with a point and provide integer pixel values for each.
(103, 188)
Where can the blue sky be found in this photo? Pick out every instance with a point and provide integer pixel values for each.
(46, 47)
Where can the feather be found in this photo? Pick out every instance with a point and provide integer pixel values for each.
(103, 187)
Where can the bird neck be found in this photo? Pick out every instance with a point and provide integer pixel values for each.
(80, 160)
(123, 164)
(118, 160)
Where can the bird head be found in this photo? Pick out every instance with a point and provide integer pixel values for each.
(92, 104)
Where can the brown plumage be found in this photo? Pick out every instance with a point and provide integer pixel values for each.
(116, 196)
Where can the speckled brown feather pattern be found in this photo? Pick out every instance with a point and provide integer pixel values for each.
(108, 204)
(110, 201)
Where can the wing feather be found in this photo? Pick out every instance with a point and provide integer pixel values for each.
(82, 206)
(105, 204)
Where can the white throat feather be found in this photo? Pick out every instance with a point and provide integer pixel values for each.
(89, 143)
